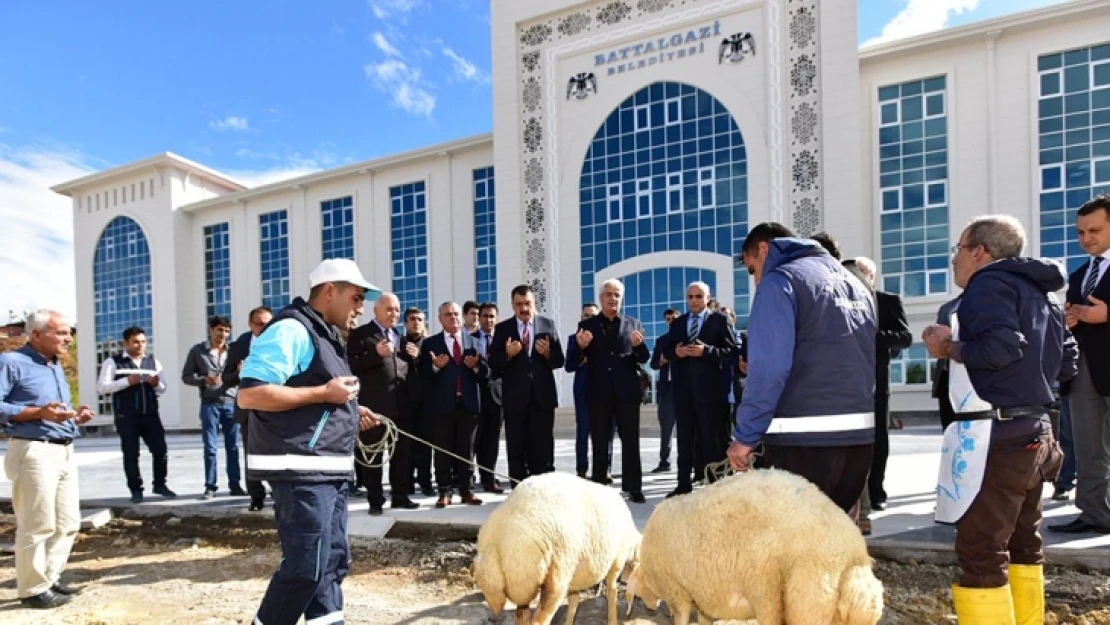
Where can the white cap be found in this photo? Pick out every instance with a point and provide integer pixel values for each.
(339, 270)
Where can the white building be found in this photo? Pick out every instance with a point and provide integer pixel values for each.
(636, 139)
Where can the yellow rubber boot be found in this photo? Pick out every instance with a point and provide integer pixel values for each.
(1027, 588)
(983, 606)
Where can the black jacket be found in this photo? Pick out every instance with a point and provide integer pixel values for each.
(1094, 340)
(893, 336)
(236, 353)
(383, 382)
(699, 379)
(614, 365)
(527, 375)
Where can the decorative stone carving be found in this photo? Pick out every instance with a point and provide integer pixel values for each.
(535, 256)
(803, 74)
(803, 59)
(539, 286)
(803, 28)
(531, 94)
(536, 35)
(804, 123)
(533, 134)
(533, 215)
(614, 13)
(805, 170)
(573, 24)
(531, 62)
(652, 6)
(805, 217)
(533, 175)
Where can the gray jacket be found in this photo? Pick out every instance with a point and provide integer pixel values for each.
(200, 363)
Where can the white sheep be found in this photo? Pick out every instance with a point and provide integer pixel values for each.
(766, 545)
(555, 535)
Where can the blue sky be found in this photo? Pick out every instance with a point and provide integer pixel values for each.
(261, 90)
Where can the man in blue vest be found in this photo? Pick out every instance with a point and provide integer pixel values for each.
(304, 421)
(134, 380)
(810, 396)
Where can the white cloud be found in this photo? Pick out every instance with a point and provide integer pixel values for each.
(36, 259)
(258, 177)
(405, 86)
(920, 17)
(230, 123)
(464, 69)
(384, 45)
(389, 8)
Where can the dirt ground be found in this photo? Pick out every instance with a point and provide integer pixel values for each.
(208, 572)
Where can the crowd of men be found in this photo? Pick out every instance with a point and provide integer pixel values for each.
(806, 384)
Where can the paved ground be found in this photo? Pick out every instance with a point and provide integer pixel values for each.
(908, 521)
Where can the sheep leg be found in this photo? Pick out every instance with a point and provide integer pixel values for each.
(523, 615)
(681, 612)
(611, 594)
(703, 619)
(552, 592)
(573, 597)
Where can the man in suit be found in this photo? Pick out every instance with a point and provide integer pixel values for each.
(489, 427)
(940, 380)
(259, 318)
(664, 395)
(421, 455)
(579, 367)
(1089, 397)
(455, 368)
(698, 343)
(614, 346)
(893, 336)
(525, 353)
(373, 351)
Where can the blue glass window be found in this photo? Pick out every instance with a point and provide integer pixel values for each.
(1074, 142)
(913, 145)
(667, 171)
(409, 229)
(656, 290)
(913, 366)
(274, 255)
(485, 233)
(337, 226)
(217, 271)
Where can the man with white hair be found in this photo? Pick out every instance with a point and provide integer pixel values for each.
(614, 346)
(36, 414)
(1006, 349)
(699, 343)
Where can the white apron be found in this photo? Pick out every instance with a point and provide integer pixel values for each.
(966, 443)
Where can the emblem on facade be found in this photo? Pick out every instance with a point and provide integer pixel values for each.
(581, 86)
(736, 48)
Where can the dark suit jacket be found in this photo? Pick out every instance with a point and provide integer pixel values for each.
(613, 370)
(700, 378)
(576, 366)
(527, 375)
(665, 383)
(383, 383)
(441, 388)
(894, 335)
(493, 385)
(236, 353)
(1094, 340)
(940, 380)
(418, 385)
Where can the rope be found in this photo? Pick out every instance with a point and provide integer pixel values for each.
(375, 455)
(723, 469)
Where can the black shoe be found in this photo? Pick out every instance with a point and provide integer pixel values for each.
(878, 506)
(679, 491)
(209, 493)
(45, 600)
(493, 488)
(662, 468)
(237, 491)
(404, 504)
(164, 491)
(1079, 527)
(1061, 494)
(65, 589)
(256, 505)
(136, 496)
(428, 491)
(636, 497)
(355, 491)
(376, 509)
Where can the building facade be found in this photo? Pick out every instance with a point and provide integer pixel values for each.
(639, 140)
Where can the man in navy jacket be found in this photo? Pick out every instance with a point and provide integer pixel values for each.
(664, 396)
(452, 361)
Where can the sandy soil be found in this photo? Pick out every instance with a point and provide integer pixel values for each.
(206, 572)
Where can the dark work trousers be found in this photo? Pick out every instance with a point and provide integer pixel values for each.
(312, 527)
(1002, 525)
(488, 440)
(149, 429)
(666, 428)
(699, 423)
(627, 416)
(882, 449)
(840, 472)
(400, 469)
(530, 441)
(254, 487)
(421, 457)
(454, 432)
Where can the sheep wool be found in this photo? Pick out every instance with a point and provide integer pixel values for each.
(764, 544)
(555, 535)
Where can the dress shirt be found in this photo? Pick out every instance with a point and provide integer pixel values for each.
(531, 335)
(27, 380)
(1101, 269)
(107, 384)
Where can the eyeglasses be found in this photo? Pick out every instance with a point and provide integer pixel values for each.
(955, 249)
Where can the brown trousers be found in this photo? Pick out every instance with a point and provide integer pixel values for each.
(1003, 523)
(840, 472)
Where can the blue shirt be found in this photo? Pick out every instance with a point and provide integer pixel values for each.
(701, 321)
(282, 351)
(26, 379)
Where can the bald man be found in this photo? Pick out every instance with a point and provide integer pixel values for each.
(372, 351)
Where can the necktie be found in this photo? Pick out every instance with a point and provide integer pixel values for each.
(456, 353)
(525, 339)
(1092, 277)
(695, 320)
